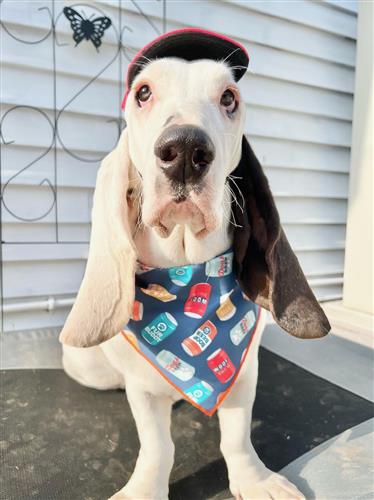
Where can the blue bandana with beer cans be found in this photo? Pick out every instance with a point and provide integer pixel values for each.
(194, 325)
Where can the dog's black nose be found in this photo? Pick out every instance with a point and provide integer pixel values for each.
(184, 153)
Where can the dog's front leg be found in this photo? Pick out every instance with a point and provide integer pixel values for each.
(248, 476)
(150, 479)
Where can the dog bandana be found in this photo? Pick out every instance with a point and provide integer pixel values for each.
(195, 326)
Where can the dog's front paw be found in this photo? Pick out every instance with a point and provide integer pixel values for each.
(274, 487)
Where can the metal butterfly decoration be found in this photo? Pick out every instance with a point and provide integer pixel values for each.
(88, 29)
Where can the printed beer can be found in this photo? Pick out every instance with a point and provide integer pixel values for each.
(174, 365)
(202, 337)
(137, 311)
(240, 330)
(219, 266)
(198, 300)
(227, 309)
(199, 392)
(221, 365)
(180, 276)
(159, 328)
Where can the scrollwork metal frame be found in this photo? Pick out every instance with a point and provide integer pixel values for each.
(53, 122)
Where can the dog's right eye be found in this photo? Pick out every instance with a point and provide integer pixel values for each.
(229, 102)
(143, 94)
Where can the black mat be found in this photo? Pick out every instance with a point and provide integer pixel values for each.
(66, 442)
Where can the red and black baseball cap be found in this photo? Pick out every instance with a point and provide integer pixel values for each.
(190, 44)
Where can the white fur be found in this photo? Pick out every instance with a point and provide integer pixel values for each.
(169, 235)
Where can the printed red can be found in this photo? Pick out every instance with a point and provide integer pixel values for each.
(198, 300)
(221, 365)
(137, 311)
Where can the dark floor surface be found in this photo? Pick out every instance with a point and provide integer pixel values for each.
(64, 441)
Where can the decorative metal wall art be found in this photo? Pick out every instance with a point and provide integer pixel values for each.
(87, 28)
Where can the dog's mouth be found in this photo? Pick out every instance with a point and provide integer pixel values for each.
(183, 209)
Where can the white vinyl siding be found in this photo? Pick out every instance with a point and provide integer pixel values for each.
(299, 95)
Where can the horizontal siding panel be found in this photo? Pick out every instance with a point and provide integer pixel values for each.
(254, 27)
(71, 172)
(91, 63)
(328, 292)
(20, 280)
(36, 203)
(33, 253)
(290, 182)
(285, 153)
(15, 322)
(286, 95)
(43, 231)
(21, 151)
(297, 127)
(345, 5)
(310, 235)
(65, 179)
(312, 211)
(273, 63)
(33, 127)
(326, 262)
(107, 105)
(19, 58)
(305, 12)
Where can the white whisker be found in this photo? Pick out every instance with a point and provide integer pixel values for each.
(238, 67)
(229, 214)
(146, 58)
(141, 64)
(231, 53)
(239, 191)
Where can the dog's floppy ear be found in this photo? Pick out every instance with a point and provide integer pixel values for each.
(266, 266)
(106, 295)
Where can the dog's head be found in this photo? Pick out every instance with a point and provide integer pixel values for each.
(185, 123)
(184, 155)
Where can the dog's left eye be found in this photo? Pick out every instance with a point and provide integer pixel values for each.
(228, 101)
(143, 95)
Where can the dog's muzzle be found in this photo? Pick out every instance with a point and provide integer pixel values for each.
(184, 153)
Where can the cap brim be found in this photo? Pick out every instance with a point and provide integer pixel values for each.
(191, 44)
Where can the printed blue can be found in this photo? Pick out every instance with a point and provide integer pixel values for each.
(199, 392)
(220, 266)
(159, 328)
(180, 276)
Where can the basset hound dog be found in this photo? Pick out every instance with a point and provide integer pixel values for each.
(186, 255)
